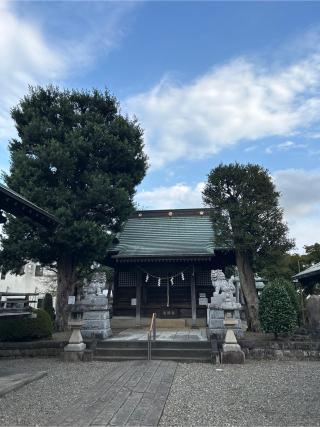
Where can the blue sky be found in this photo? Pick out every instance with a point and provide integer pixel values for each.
(210, 82)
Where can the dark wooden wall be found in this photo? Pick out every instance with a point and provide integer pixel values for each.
(153, 297)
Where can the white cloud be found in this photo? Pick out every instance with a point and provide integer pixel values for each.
(29, 57)
(240, 100)
(25, 59)
(171, 197)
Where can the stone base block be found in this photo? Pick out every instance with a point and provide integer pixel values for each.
(99, 334)
(72, 356)
(95, 324)
(231, 347)
(232, 357)
(220, 332)
(96, 315)
(76, 347)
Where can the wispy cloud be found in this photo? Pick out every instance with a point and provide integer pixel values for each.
(25, 58)
(29, 55)
(238, 101)
(284, 146)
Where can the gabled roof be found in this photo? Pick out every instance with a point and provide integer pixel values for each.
(14, 203)
(167, 233)
(314, 270)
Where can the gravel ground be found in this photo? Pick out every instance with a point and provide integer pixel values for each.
(37, 402)
(255, 394)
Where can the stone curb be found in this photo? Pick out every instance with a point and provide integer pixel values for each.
(21, 383)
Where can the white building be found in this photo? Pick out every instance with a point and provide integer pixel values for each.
(34, 280)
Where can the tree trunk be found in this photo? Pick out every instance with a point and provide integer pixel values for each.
(66, 287)
(248, 287)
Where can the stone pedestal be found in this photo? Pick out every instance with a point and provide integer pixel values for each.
(96, 317)
(231, 350)
(74, 350)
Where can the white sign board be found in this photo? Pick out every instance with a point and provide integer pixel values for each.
(203, 301)
(133, 301)
(71, 299)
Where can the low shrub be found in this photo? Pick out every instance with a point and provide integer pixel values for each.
(25, 329)
(276, 311)
(292, 292)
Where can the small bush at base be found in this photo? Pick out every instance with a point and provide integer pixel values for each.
(277, 314)
(27, 328)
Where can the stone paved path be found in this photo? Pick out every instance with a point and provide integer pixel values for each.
(133, 395)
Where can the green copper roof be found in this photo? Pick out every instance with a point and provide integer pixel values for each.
(167, 233)
(310, 271)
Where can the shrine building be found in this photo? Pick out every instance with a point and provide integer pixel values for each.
(162, 261)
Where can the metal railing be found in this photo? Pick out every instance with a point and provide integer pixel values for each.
(152, 333)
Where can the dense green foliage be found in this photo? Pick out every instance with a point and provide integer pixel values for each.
(276, 311)
(245, 209)
(277, 264)
(27, 328)
(291, 291)
(47, 305)
(79, 158)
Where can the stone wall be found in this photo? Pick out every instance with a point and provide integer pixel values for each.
(32, 349)
(282, 350)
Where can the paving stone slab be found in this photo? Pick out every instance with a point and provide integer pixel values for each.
(134, 394)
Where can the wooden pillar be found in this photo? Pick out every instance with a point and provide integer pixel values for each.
(138, 299)
(115, 291)
(193, 300)
(238, 291)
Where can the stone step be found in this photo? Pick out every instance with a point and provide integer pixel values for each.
(156, 352)
(170, 357)
(162, 350)
(122, 351)
(155, 344)
(118, 358)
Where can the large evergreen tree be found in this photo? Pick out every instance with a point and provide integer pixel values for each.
(246, 213)
(79, 158)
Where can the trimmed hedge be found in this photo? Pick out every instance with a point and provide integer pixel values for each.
(26, 329)
(276, 311)
(292, 292)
